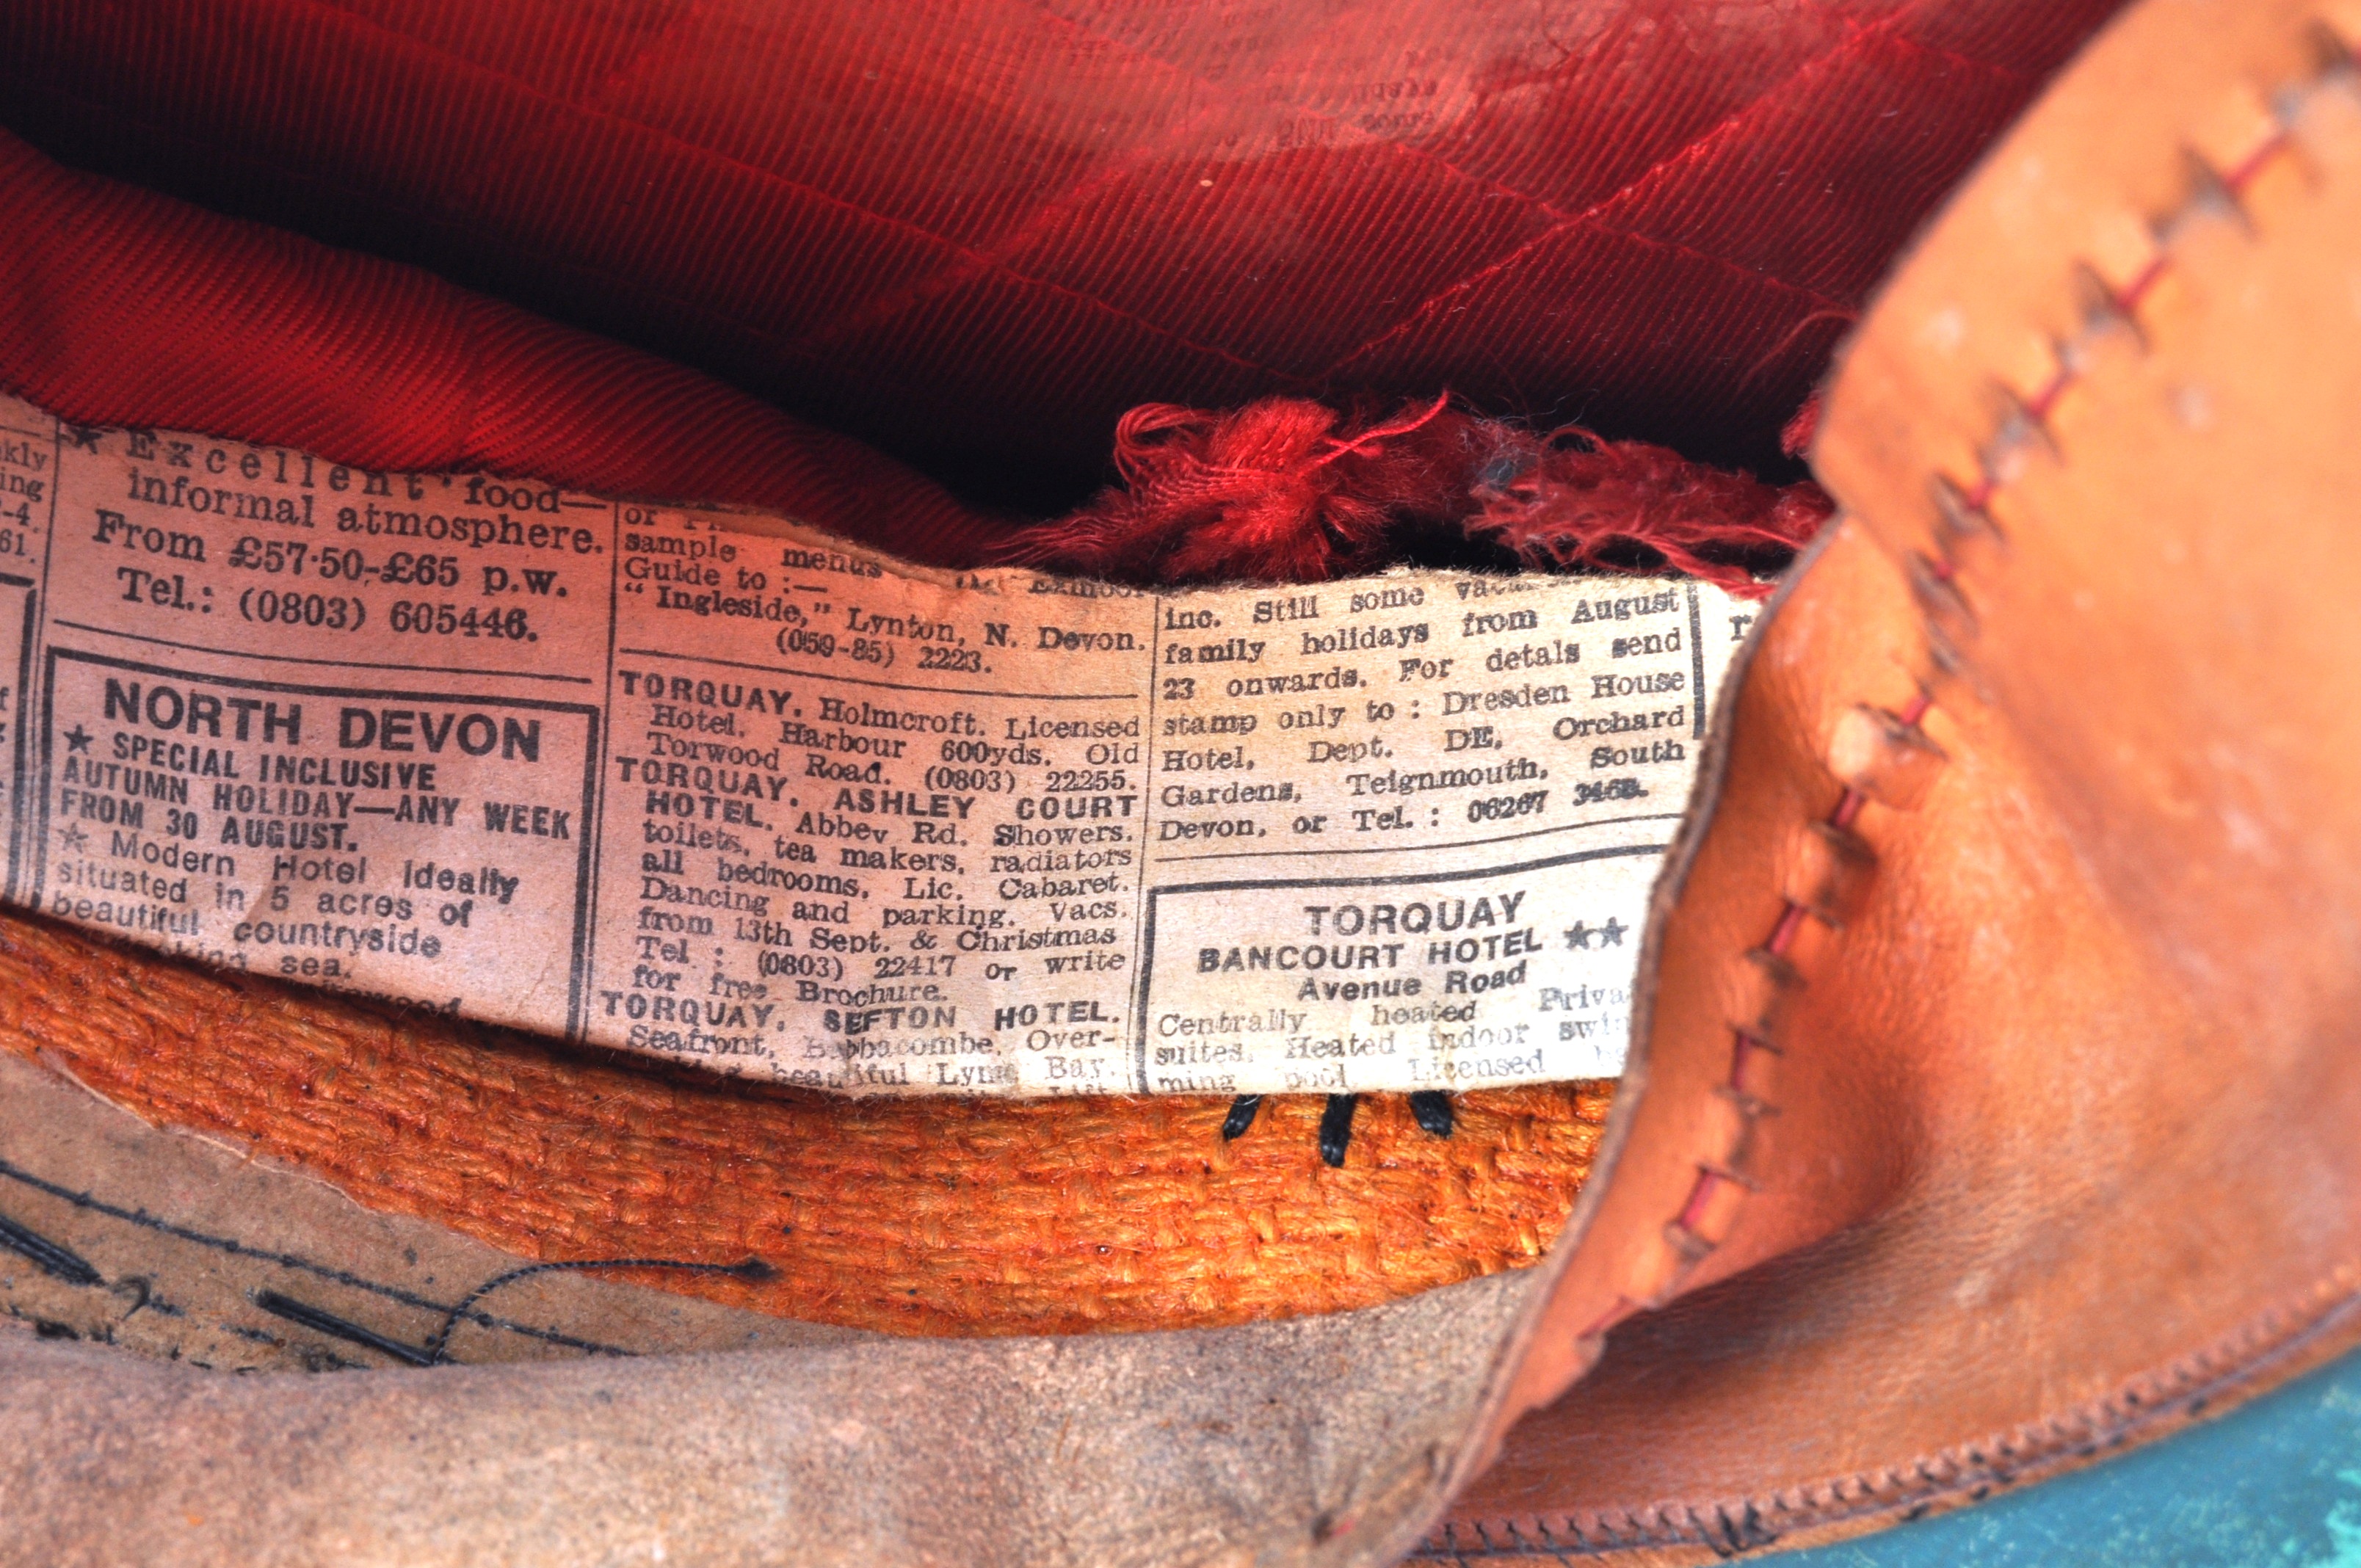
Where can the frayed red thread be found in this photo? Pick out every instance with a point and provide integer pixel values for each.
(1291, 490)
(1796, 435)
(1608, 506)
(1282, 490)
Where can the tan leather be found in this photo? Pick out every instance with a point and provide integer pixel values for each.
(2061, 1099)
(818, 1444)
(202, 1253)
(1992, 1109)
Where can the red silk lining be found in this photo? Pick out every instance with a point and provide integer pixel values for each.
(973, 233)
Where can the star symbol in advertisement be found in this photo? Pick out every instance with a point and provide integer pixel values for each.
(80, 437)
(78, 739)
(1610, 934)
(73, 838)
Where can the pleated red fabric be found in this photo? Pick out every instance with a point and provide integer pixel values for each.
(119, 306)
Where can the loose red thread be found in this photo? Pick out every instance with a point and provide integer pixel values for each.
(1626, 505)
(1796, 435)
(1289, 490)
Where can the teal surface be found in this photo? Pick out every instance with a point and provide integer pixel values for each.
(2277, 1482)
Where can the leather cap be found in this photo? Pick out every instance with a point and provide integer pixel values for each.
(1991, 1106)
(1998, 1102)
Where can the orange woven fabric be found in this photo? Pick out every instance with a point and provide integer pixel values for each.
(923, 1216)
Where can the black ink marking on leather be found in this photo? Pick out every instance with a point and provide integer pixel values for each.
(320, 1320)
(438, 1344)
(58, 1262)
(225, 1245)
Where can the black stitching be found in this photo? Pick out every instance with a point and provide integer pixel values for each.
(320, 1320)
(145, 1220)
(60, 1262)
(438, 1344)
(1336, 1127)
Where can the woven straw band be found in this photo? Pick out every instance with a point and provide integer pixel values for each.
(913, 1216)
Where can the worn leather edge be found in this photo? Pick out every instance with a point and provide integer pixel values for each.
(2210, 165)
(2268, 1350)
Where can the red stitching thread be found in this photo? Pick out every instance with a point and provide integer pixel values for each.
(1681, 1232)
